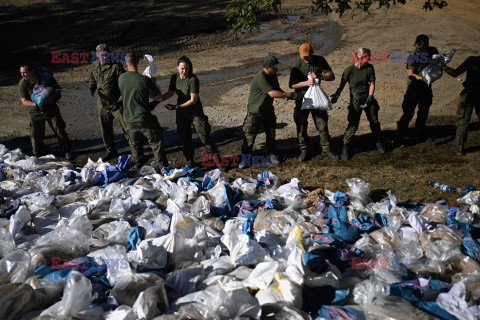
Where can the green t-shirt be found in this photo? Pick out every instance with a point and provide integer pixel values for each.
(259, 101)
(472, 65)
(105, 79)
(183, 88)
(416, 62)
(300, 69)
(135, 90)
(359, 79)
(25, 87)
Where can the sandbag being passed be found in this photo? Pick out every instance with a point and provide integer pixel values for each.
(315, 98)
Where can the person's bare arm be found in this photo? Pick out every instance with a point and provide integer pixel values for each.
(413, 76)
(167, 95)
(279, 94)
(28, 103)
(193, 99)
(329, 76)
(301, 84)
(371, 90)
(454, 72)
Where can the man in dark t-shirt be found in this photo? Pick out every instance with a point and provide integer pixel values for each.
(469, 99)
(260, 111)
(418, 91)
(50, 113)
(302, 74)
(135, 90)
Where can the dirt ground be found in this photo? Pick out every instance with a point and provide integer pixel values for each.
(170, 29)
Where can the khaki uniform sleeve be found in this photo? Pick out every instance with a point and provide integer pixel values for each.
(23, 90)
(264, 85)
(296, 75)
(194, 85)
(371, 74)
(345, 76)
(92, 83)
(325, 66)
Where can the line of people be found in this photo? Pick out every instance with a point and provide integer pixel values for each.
(124, 95)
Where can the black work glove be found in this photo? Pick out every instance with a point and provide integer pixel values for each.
(171, 107)
(334, 97)
(369, 101)
(57, 97)
(153, 104)
(92, 91)
(117, 105)
(294, 95)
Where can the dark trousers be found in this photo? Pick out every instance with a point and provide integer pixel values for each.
(320, 119)
(469, 101)
(421, 96)
(251, 127)
(187, 117)
(354, 114)
(37, 129)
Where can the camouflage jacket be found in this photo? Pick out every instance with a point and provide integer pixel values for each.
(104, 78)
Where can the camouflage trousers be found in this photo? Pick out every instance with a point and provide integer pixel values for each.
(320, 119)
(106, 117)
(152, 131)
(251, 128)
(469, 101)
(37, 129)
(354, 114)
(188, 117)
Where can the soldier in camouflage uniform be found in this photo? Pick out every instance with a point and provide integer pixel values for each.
(263, 89)
(135, 90)
(469, 99)
(104, 78)
(360, 77)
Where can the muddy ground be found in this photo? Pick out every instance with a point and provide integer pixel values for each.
(169, 29)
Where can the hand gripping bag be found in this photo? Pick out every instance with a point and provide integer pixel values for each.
(315, 98)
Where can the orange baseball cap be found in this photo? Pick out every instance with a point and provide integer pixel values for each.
(305, 50)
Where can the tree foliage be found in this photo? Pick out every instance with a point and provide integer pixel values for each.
(244, 14)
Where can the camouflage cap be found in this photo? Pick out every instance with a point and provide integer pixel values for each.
(421, 41)
(102, 48)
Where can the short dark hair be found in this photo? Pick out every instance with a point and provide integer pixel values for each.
(184, 59)
(131, 58)
(29, 66)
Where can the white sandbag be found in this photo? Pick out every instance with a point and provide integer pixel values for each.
(315, 98)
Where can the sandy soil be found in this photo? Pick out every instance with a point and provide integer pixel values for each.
(225, 67)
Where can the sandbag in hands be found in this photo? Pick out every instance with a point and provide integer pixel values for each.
(433, 71)
(315, 98)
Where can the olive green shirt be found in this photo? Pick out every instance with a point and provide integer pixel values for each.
(104, 78)
(135, 90)
(183, 88)
(359, 79)
(416, 62)
(472, 65)
(300, 69)
(259, 101)
(25, 90)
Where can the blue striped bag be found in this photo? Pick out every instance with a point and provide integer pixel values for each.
(44, 96)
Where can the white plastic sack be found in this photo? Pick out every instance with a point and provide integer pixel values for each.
(76, 300)
(433, 71)
(315, 98)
